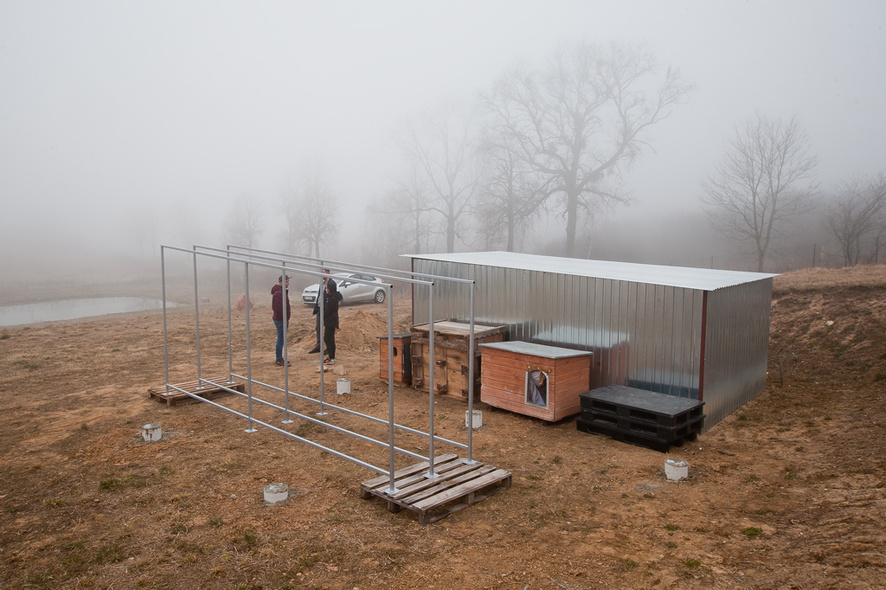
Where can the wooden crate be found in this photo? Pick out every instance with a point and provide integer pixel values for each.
(504, 380)
(451, 369)
(402, 358)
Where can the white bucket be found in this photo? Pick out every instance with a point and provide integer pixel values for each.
(152, 432)
(343, 385)
(276, 493)
(477, 420)
(675, 470)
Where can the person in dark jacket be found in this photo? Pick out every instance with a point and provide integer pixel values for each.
(277, 296)
(330, 320)
(322, 289)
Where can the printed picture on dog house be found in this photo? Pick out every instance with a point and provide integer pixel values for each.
(690, 332)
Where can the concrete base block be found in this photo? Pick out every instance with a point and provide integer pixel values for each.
(275, 493)
(675, 469)
(152, 432)
(475, 421)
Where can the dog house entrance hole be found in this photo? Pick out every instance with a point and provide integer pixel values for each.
(537, 387)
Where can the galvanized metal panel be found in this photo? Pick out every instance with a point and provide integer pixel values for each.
(736, 347)
(642, 334)
(675, 276)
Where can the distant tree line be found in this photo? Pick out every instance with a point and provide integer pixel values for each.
(547, 147)
(553, 139)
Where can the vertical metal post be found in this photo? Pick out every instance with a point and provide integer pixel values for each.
(470, 459)
(197, 323)
(285, 305)
(431, 380)
(321, 294)
(230, 339)
(392, 489)
(248, 356)
(165, 332)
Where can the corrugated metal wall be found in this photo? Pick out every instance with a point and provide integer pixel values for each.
(736, 347)
(642, 335)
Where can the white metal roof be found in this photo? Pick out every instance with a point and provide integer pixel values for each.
(704, 279)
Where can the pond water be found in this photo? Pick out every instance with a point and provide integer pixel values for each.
(70, 309)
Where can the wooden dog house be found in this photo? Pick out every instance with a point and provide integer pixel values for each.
(534, 379)
(402, 358)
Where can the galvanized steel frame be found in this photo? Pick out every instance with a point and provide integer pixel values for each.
(287, 264)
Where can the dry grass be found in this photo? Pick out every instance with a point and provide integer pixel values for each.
(816, 279)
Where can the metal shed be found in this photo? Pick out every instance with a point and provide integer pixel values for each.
(689, 332)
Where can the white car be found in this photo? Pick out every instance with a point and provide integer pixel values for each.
(364, 290)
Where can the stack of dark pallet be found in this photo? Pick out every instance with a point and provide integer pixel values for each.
(653, 420)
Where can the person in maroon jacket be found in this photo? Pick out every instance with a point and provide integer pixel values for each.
(277, 296)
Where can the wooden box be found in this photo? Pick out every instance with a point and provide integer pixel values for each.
(451, 369)
(402, 358)
(534, 379)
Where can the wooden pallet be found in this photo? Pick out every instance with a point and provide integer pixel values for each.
(455, 485)
(175, 398)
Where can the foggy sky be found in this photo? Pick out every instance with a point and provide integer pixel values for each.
(116, 116)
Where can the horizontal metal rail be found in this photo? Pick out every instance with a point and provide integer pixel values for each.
(400, 275)
(338, 429)
(283, 432)
(308, 398)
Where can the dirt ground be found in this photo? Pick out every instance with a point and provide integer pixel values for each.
(788, 492)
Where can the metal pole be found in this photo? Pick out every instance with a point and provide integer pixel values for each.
(431, 380)
(230, 338)
(285, 305)
(165, 333)
(197, 323)
(321, 294)
(248, 356)
(392, 488)
(470, 459)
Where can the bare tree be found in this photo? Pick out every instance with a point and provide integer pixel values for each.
(580, 121)
(758, 186)
(857, 212)
(439, 145)
(289, 207)
(398, 221)
(243, 224)
(508, 196)
(311, 212)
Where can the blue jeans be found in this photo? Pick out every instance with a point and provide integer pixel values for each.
(280, 338)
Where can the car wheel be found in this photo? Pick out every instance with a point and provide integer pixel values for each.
(379, 296)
